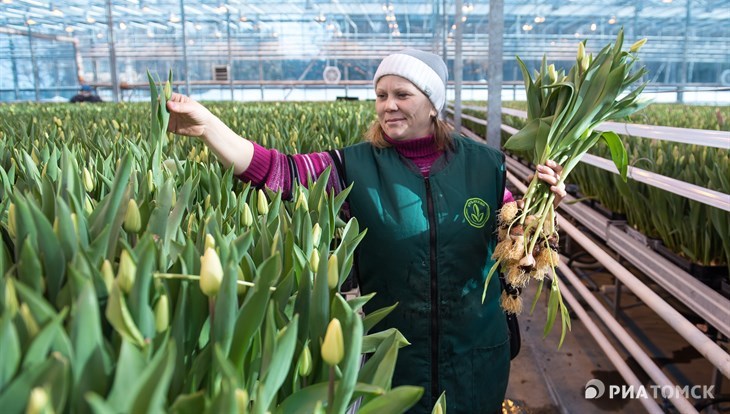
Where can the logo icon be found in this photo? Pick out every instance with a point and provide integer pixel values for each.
(594, 389)
(476, 212)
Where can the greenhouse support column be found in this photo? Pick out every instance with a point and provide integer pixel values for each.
(14, 67)
(445, 34)
(112, 52)
(494, 81)
(184, 48)
(34, 64)
(458, 65)
(230, 55)
(685, 48)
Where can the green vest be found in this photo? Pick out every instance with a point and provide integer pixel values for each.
(428, 247)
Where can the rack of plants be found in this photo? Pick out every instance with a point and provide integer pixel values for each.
(712, 276)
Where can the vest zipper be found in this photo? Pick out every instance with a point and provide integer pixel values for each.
(434, 296)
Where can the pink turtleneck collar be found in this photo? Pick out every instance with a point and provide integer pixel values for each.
(422, 151)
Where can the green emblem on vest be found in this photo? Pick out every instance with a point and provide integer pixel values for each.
(476, 212)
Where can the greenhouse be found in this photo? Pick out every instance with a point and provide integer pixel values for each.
(340, 206)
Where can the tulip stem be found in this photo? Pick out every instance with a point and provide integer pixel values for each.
(331, 390)
(196, 277)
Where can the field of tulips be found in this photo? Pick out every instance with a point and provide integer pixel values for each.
(138, 276)
(698, 233)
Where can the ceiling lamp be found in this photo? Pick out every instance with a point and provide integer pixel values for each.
(527, 27)
(174, 19)
(90, 20)
(612, 20)
(30, 22)
(123, 25)
(539, 19)
(69, 29)
(593, 27)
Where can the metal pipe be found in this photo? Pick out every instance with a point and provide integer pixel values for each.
(685, 50)
(112, 52)
(691, 191)
(633, 348)
(230, 54)
(708, 348)
(34, 64)
(186, 73)
(14, 68)
(716, 139)
(494, 97)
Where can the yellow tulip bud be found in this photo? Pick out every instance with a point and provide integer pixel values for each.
(162, 314)
(246, 216)
(333, 346)
(209, 242)
(316, 234)
(242, 400)
(333, 272)
(150, 181)
(211, 272)
(88, 207)
(168, 90)
(206, 203)
(88, 181)
(240, 288)
(263, 204)
(11, 300)
(39, 402)
(305, 362)
(132, 220)
(581, 52)
(30, 323)
(437, 409)
(314, 260)
(11, 221)
(301, 201)
(75, 222)
(127, 272)
(107, 275)
(637, 45)
(552, 74)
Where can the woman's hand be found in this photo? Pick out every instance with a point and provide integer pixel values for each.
(550, 174)
(188, 117)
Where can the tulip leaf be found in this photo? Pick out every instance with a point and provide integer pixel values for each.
(395, 401)
(279, 366)
(149, 394)
(618, 152)
(379, 368)
(119, 317)
(49, 371)
(306, 399)
(376, 316)
(11, 352)
(251, 314)
(51, 254)
(189, 403)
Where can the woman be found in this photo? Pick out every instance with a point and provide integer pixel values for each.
(429, 202)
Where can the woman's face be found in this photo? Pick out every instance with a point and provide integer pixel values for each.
(404, 112)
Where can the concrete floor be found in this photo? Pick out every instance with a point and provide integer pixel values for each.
(545, 379)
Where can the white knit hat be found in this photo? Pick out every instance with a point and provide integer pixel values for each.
(425, 70)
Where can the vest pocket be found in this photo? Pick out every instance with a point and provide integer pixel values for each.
(490, 375)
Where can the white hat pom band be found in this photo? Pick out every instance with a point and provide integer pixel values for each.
(416, 71)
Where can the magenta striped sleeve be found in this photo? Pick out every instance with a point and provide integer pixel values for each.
(278, 171)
